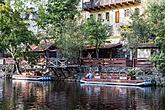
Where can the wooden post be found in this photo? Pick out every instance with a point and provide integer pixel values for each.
(62, 70)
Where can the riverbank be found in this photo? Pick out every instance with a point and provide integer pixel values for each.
(74, 75)
(151, 74)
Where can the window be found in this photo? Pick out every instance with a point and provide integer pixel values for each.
(26, 16)
(107, 16)
(117, 16)
(92, 1)
(137, 10)
(126, 12)
(99, 17)
(91, 15)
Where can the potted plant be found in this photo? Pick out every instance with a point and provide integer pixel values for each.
(131, 74)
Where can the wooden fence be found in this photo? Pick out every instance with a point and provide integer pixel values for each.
(142, 62)
(106, 61)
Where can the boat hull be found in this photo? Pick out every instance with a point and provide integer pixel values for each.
(117, 82)
(33, 78)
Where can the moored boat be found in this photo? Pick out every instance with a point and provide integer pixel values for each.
(33, 78)
(116, 82)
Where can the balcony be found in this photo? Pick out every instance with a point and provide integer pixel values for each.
(105, 4)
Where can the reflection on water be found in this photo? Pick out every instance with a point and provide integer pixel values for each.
(123, 98)
(21, 95)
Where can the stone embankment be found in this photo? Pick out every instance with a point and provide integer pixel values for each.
(151, 74)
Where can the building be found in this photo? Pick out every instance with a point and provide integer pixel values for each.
(116, 13)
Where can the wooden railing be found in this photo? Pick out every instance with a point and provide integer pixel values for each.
(105, 61)
(142, 62)
(98, 3)
(123, 62)
(62, 62)
(56, 62)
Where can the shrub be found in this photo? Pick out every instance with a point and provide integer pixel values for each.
(159, 61)
(131, 73)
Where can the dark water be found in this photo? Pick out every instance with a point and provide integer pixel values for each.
(20, 95)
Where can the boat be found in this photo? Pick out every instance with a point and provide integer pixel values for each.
(33, 75)
(33, 78)
(122, 82)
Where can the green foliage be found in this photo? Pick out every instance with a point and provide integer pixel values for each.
(139, 31)
(42, 17)
(143, 26)
(61, 10)
(59, 19)
(160, 41)
(156, 19)
(132, 73)
(15, 37)
(159, 61)
(73, 40)
(31, 57)
(95, 33)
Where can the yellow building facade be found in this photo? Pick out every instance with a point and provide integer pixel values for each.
(115, 13)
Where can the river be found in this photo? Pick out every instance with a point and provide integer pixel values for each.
(21, 95)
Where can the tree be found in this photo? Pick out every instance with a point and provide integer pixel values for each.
(73, 39)
(138, 33)
(159, 61)
(156, 19)
(1, 1)
(95, 33)
(56, 18)
(15, 38)
(150, 24)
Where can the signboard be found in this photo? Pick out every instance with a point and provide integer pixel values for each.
(143, 53)
(1, 61)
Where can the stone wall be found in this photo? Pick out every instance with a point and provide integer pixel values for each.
(150, 74)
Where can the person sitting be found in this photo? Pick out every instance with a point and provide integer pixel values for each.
(89, 75)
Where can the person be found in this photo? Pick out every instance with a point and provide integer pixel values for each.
(89, 56)
(89, 75)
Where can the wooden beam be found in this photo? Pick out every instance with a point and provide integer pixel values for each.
(126, 3)
(131, 2)
(54, 71)
(102, 7)
(62, 71)
(113, 5)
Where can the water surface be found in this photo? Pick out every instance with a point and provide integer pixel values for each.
(21, 95)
